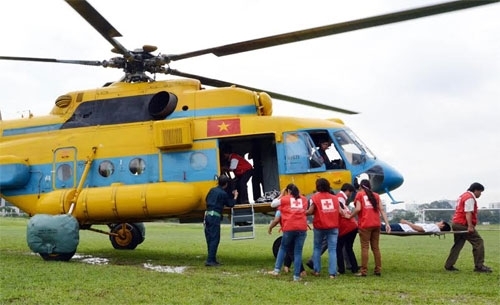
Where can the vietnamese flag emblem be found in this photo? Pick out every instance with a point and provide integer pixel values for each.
(223, 127)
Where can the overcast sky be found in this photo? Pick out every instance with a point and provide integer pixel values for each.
(428, 90)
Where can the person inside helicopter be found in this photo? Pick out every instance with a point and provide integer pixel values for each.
(242, 170)
(323, 146)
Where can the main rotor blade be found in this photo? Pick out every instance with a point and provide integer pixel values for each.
(333, 29)
(96, 20)
(61, 61)
(219, 83)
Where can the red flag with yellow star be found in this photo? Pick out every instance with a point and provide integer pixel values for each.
(223, 127)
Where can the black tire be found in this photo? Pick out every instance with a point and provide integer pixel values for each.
(142, 229)
(276, 246)
(127, 238)
(62, 257)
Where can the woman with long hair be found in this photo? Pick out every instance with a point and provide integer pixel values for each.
(293, 208)
(369, 209)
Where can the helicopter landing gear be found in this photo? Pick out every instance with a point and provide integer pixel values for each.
(126, 236)
(276, 246)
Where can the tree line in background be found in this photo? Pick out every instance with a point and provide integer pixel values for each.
(484, 215)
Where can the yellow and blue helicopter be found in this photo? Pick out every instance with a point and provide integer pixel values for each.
(138, 150)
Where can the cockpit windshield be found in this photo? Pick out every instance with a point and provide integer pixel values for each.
(354, 149)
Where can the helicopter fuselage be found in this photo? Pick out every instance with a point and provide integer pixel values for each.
(153, 151)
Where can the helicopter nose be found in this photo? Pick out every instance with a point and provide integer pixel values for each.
(392, 178)
(384, 178)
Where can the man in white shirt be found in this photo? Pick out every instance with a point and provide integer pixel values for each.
(406, 226)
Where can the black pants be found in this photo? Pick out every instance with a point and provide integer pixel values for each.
(212, 236)
(347, 241)
(241, 186)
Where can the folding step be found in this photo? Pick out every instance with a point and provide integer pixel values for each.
(242, 222)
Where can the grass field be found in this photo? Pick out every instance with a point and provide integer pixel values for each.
(168, 268)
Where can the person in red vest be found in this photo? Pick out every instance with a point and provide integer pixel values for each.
(325, 208)
(348, 229)
(465, 219)
(293, 207)
(369, 207)
(243, 171)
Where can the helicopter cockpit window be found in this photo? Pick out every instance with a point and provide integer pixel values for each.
(64, 172)
(137, 166)
(354, 149)
(106, 168)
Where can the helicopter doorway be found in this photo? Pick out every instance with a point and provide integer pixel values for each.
(260, 151)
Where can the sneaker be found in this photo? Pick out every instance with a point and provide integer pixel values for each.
(260, 200)
(483, 269)
(296, 278)
(452, 268)
(212, 264)
(333, 276)
(377, 273)
(360, 274)
(273, 273)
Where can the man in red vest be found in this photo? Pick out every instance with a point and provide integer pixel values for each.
(243, 171)
(465, 219)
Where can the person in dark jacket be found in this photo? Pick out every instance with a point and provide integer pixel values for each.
(216, 199)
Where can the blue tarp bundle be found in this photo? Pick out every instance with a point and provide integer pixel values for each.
(48, 234)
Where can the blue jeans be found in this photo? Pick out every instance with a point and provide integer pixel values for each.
(297, 239)
(331, 236)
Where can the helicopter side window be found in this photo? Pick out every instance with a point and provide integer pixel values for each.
(106, 168)
(64, 172)
(300, 152)
(198, 161)
(137, 166)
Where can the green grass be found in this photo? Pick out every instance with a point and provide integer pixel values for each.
(412, 272)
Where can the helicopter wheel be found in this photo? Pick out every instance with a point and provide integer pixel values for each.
(63, 257)
(127, 238)
(276, 246)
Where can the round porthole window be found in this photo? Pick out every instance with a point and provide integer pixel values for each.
(137, 166)
(198, 161)
(64, 172)
(106, 168)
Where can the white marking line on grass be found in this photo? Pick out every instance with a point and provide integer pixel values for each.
(167, 269)
(89, 259)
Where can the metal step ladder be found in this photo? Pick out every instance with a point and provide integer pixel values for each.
(242, 222)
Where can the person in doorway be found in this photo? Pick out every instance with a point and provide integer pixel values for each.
(407, 226)
(325, 208)
(257, 177)
(465, 219)
(293, 207)
(243, 171)
(216, 199)
(369, 208)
